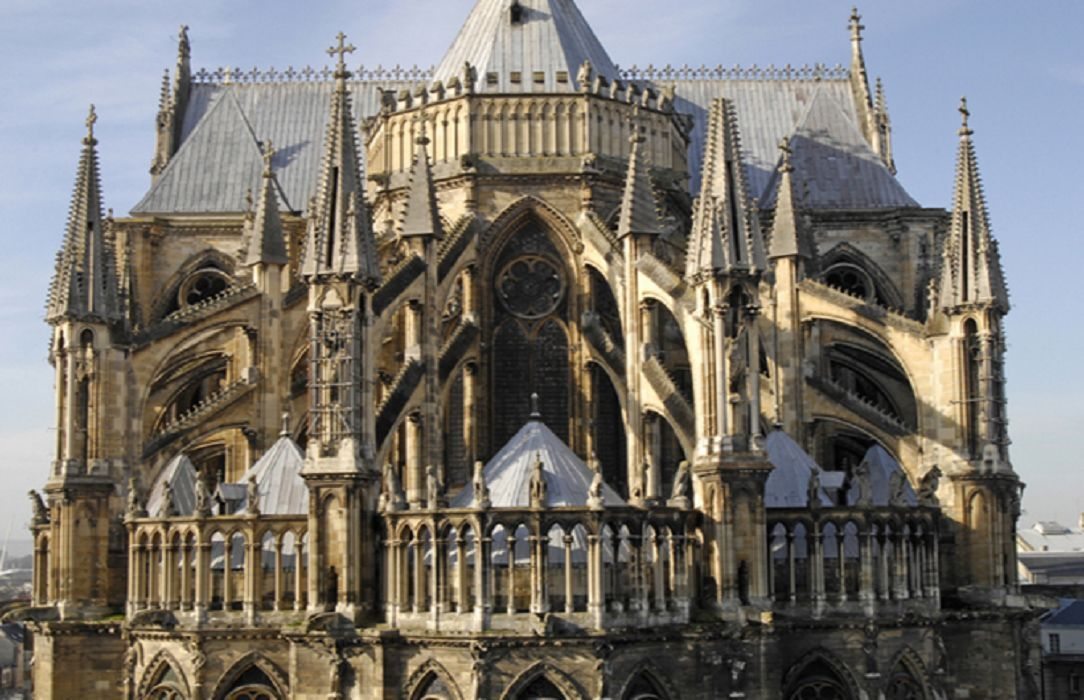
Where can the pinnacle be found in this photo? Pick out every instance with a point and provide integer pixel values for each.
(639, 213)
(422, 216)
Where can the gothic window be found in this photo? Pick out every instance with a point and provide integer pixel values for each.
(643, 688)
(609, 426)
(540, 689)
(818, 681)
(973, 364)
(253, 684)
(530, 287)
(850, 279)
(605, 305)
(551, 377)
(455, 444)
(202, 285)
(433, 688)
(511, 367)
(205, 384)
(168, 686)
(903, 687)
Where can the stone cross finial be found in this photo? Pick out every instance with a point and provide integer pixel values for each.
(92, 119)
(856, 25)
(341, 50)
(536, 412)
(285, 432)
(965, 115)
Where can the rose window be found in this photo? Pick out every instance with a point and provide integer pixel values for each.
(530, 287)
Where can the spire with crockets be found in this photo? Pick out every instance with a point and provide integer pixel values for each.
(339, 241)
(639, 214)
(726, 236)
(971, 271)
(85, 283)
(267, 242)
(421, 216)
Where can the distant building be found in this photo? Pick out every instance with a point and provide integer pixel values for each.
(1052, 554)
(13, 670)
(1063, 651)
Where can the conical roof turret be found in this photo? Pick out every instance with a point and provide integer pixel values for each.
(339, 241)
(639, 214)
(527, 46)
(971, 264)
(421, 216)
(726, 236)
(267, 242)
(85, 286)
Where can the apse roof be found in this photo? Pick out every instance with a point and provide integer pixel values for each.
(544, 42)
(278, 476)
(508, 474)
(181, 475)
(881, 465)
(788, 482)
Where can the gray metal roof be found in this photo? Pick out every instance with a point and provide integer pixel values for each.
(788, 483)
(508, 474)
(278, 475)
(551, 37)
(181, 476)
(1069, 613)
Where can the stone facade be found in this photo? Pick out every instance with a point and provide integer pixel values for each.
(624, 263)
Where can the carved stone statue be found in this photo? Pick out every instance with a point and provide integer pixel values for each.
(393, 493)
(584, 75)
(169, 509)
(927, 488)
(41, 512)
(813, 489)
(203, 498)
(481, 489)
(432, 487)
(897, 489)
(135, 507)
(538, 485)
(594, 492)
(252, 496)
(864, 484)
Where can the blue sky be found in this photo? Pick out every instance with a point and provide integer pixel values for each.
(1019, 64)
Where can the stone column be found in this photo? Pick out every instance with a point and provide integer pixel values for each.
(415, 481)
(596, 596)
(570, 606)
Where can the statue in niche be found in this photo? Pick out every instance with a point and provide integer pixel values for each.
(538, 486)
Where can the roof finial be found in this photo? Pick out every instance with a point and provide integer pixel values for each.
(268, 156)
(965, 115)
(856, 25)
(785, 152)
(92, 118)
(536, 412)
(285, 432)
(422, 139)
(341, 50)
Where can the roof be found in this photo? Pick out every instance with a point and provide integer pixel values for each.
(278, 475)
(1050, 537)
(1070, 613)
(508, 474)
(881, 466)
(181, 475)
(788, 482)
(1053, 565)
(550, 36)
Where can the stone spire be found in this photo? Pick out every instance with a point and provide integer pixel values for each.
(971, 264)
(639, 214)
(172, 104)
(339, 241)
(85, 284)
(789, 237)
(726, 236)
(884, 127)
(267, 242)
(422, 216)
(863, 98)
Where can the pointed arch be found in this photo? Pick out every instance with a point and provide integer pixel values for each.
(423, 679)
(163, 675)
(542, 670)
(908, 678)
(252, 661)
(846, 254)
(823, 670)
(519, 213)
(646, 676)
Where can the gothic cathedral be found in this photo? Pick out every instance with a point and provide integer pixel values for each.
(528, 377)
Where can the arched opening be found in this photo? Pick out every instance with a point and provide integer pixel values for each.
(972, 388)
(818, 681)
(252, 684)
(168, 684)
(433, 687)
(644, 687)
(530, 347)
(541, 688)
(609, 436)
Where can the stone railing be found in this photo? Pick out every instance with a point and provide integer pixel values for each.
(854, 559)
(199, 568)
(502, 568)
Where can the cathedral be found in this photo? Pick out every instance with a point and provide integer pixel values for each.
(528, 376)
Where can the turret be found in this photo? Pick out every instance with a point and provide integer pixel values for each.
(340, 267)
(87, 353)
(724, 266)
(970, 302)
